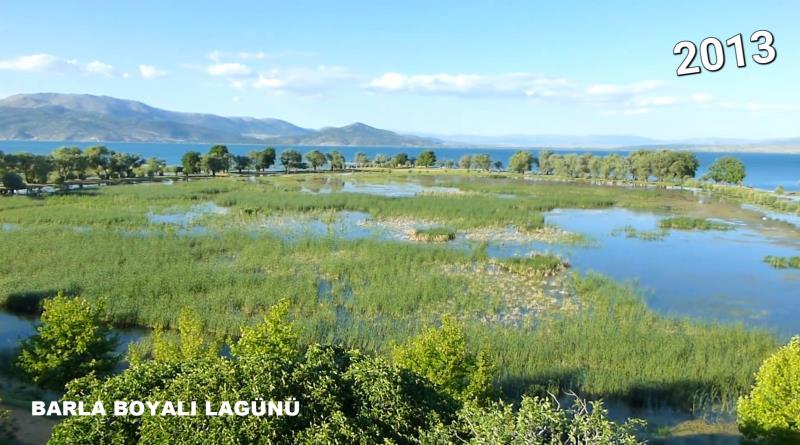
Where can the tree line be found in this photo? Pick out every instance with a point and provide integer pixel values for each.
(73, 163)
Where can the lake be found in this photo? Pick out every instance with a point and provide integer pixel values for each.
(764, 170)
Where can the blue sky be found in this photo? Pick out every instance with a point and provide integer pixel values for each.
(444, 67)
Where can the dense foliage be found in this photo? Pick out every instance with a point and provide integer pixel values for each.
(344, 396)
(728, 170)
(772, 409)
(71, 341)
(641, 165)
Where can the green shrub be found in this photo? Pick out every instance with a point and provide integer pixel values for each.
(72, 340)
(772, 409)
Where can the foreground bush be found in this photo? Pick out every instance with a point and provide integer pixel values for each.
(344, 397)
(772, 409)
(72, 341)
(537, 421)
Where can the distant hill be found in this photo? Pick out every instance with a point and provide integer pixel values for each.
(356, 134)
(84, 117)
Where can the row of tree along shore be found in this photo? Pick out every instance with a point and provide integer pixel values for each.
(66, 164)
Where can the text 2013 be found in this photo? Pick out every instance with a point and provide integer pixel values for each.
(764, 40)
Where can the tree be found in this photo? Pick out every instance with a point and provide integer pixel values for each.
(98, 159)
(290, 159)
(264, 159)
(192, 162)
(123, 164)
(316, 159)
(362, 160)
(381, 159)
(441, 356)
(12, 181)
(218, 159)
(34, 167)
(69, 162)
(155, 166)
(772, 409)
(545, 165)
(400, 160)
(336, 160)
(482, 161)
(448, 163)
(241, 163)
(465, 162)
(498, 165)
(426, 158)
(728, 170)
(521, 162)
(72, 341)
(640, 163)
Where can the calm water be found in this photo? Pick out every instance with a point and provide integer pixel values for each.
(765, 171)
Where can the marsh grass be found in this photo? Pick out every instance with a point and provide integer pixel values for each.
(687, 223)
(644, 235)
(537, 264)
(779, 262)
(379, 292)
(434, 235)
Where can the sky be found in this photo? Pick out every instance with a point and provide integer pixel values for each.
(433, 67)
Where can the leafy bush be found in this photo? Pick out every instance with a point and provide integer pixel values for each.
(441, 356)
(772, 409)
(537, 421)
(72, 340)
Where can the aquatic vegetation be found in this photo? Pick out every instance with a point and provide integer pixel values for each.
(779, 262)
(544, 328)
(644, 235)
(537, 264)
(687, 223)
(434, 235)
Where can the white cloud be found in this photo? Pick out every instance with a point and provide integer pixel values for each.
(302, 81)
(229, 70)
(98, 67)
(510, 84)
(150, 72)
(36, 63)
(244, 55)
(608, 89)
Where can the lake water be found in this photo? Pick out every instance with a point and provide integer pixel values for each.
(764, 170)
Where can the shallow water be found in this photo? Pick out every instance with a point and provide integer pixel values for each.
(391, 189)
(187, 217)
(717, 275)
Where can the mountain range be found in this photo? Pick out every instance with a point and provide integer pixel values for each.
(85, 117)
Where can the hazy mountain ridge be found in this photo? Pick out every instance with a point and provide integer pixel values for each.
(83, 117)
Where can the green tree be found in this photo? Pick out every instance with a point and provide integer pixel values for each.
(772, 409)
(521, 162)
(336, 160)
(218, 159)
(13, 181)
(482, 161)
(316, 159)
(72, 340)
(241, 162)
(98, 159)
(154, 166)
(465, 162)
(400, 160)
(290, 159)
(192, 162)
(728, 170)
(362, 160)
(441, 356)
(124, 164)
(263, 159)
(427, 158)
(640, 163)
(69, 162)
(545, 165)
